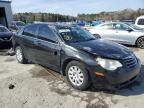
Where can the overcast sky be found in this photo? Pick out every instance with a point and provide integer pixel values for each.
(73, 7)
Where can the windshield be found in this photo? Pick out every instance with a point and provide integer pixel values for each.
(74, 34)
(134, 26)
(3, 29)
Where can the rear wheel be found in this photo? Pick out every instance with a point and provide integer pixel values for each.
(97, 36)
(19, 55)
(77, 75)
(140, 42)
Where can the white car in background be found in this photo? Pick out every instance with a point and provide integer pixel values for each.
(119, 32)
(140, 22)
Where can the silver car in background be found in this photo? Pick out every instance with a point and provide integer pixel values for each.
(119, 32)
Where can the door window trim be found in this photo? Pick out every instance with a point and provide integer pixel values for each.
(32, 36)
(46, 39)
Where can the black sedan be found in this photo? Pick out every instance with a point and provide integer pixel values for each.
(74, 52)
(5, 36)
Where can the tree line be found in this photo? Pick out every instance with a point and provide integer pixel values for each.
(126, 14)
(43, 17)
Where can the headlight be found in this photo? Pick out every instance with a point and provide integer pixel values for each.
(108, 64)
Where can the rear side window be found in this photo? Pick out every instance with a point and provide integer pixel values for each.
(45, 33)
(141, 22)
(107, 26)
(30, 30)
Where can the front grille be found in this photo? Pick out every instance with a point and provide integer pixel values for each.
(130, 62)
(5, 38)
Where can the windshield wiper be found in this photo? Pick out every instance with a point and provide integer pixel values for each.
(89, 39)
(83, 40)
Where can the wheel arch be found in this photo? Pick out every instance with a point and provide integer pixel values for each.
(15, 44)
(66, 62)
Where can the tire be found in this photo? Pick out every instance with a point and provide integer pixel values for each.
(97, 36)
(77, 75)
(140, 42)
(20, 56)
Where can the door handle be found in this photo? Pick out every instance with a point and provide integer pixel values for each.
(55, 53)
(38, 42)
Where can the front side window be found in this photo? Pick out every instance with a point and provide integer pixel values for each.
(134, 26)
(121, 27)
(141, 22)
(30, 30)
(45, 33)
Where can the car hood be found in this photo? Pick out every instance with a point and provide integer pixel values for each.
(6, 34)
(103, 48)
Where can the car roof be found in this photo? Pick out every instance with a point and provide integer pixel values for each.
(140, 17)
(114, 22)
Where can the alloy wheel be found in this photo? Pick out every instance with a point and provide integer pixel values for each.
(76, 75)
(140, 42)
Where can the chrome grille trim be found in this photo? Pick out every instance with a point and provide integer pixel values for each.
(130, 61)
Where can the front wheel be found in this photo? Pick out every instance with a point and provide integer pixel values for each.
(140, 42)
(77, 75)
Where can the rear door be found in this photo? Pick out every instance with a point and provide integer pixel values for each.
(107, 31)
(28, 41)
(48, 47)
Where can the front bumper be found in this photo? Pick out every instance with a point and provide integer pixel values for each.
(6, 41)
(115, 79)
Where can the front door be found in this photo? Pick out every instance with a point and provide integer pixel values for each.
(48, 48)
(122, 33)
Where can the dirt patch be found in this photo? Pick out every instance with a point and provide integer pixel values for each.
(47, 74)
(61, 92)
(3, 71)
(11, 86)
(136, 49)
(41, 73)
(99, 104)
(10, 60)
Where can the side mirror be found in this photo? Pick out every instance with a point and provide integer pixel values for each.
(129, 30)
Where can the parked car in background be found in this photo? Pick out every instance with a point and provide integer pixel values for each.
(124, 33)
(76, 53)
(16, 25)
(128, 21)
(140, 22)
(5, 35)
(95, 23)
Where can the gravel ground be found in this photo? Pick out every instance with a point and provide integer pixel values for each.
(33, 86)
